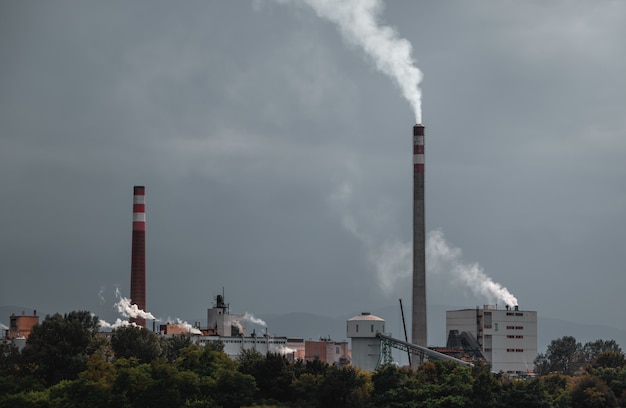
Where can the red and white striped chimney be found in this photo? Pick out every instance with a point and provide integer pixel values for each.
(138, 256)
(418, 325)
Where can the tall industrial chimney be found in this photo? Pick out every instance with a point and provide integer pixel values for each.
(138, 256)
(418, 325)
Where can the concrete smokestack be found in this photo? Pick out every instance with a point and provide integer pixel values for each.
(138, 256)
(418, 324)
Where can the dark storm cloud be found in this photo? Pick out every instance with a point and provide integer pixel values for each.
(277, 159)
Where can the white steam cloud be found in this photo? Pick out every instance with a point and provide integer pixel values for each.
(392, 259)
(249, 317)
(359, 25)
(118, 323)
(186, 326)
(285, 350)
(126, 309)
(3, 327)
(441, 257)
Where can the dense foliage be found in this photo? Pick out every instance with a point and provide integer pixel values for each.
(65, 364)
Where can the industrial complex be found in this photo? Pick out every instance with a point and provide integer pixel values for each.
(504, 338)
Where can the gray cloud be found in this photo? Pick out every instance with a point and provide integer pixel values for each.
(244, 120)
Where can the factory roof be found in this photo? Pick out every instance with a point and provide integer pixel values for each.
(366, 316)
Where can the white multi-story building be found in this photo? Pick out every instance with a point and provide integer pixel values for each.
(506, 337)
(233, 346)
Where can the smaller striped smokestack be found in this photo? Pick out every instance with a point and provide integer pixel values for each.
(138, 256)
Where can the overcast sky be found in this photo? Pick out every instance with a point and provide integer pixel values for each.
(277, 159)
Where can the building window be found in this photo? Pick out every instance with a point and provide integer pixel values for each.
(357, 328)
(337, 350)
(372, 328)
(487, 326)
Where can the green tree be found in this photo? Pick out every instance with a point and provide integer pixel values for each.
(563, 356)
(59, 347)
(593, 349)
(591, 392)
(10, 369)
(344, 387)
(92, 388)
(137, 342)
(234, 389)
(523, 394)
(615, 378)
(444, 384)
(306, 388)
(273, 374)
(394, 387)
(132, 380)
(485, 387)
(171, 346)
(26, 399)
(610, 359)
(206, 361)
(557, 388)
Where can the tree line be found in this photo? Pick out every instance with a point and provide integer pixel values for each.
(66, 364)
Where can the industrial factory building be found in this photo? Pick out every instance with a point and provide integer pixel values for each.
(20, 327)
(506, 337)
(363, 331)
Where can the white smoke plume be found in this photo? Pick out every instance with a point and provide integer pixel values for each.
(3, 327)
(126, 309)
(441, 257)
(188, 327)
(390, 258)
(359, 25)
(249, 317)
(237, 324)
(118, 323)
(285, 350)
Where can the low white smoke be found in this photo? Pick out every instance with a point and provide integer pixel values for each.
(249, 317)
(188, 327)
(3, 327)
(359, 25)
(441, 258)
(285, 350)
(238, 325)
(118, 323)
(126, 309)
